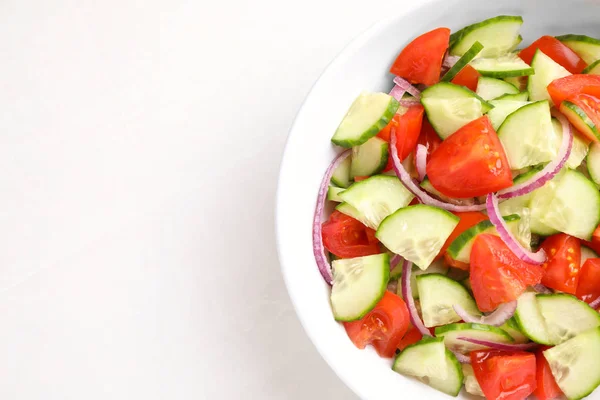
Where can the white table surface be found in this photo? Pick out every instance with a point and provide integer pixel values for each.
(140, 143)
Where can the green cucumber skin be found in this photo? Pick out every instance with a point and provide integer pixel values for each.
(380, 167)
(593, 68)
(574, 40)
(373, 130)
(472, 326)
(522, 96)
(344, 168)
(585, 120)
(456, 37)
(507, 74)
(462, 62)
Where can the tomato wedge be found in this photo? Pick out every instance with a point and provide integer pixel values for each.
(590, 105)
(421, 61)
(407, 130)
(467, 220)
(547, 389)
(468, 77)
(429, 138)
(347, 237)
(563, 88)
(504, 375)
(497, 275)
(470, 163)
(411, 337)
(455, 263)
(588, 289)
(383, 327)
(553, 48)
(562, 267)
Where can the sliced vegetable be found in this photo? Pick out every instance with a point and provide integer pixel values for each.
(566, 87)
(566, 316)
(452, 332)
(546, 389)
(586, 47)
(497, 35)
(583, 111)
(415, 319)
(370, 158)
(333, 194)
(504, 375)
(593, 69)
(502, 67)
(467, 77)
(502, 109)
(546, 71)
(341, 174)
(562, 267)
(588, 289)
(557, 51)
(499, 317)
(530, 320)
(473, 51)
(471, 384)
(593, 162)
(490, 88)
(346, 237)
(421, 161)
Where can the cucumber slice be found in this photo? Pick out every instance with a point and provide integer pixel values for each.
(377, 197)
(452, 332)
(521, 96)
(341, 176)
(449, 91)
(566, 316)
(530, 320)
(575, 364)
(333, 194)
(438, 295)
(575, 206)
(358, 285)
(528, 136)
(498, 35)
(579, 150)
(593, 69)
(580, 119)
(586, 47)
(462, 62)
(512, 328)
(520, 82)
(428, 187)
(369, 114)
(502, 109)
(369, 158)
(470, 381)
(593, 162)
(490, 88)
(539, 203)
(546, 71)
(422, 360)
(519, 205)
(502, 67)
(436, 267)
(460, 248)
(417, 232)
(586, 253)
(350, 211)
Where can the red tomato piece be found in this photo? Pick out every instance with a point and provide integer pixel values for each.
(456, 264)
(385, 132)
(588, 289)
(407, 132)
(468, 77)
(412, 336)
(383, 327)
(429, 138)
(467, 220)
(553, 48)
(470, 163)
(591, 106)
(504, 375)
(563, 88)
(360, 178)
(562, 267)
(547, 389)
(497, 275)
(421, 60)
(347, 237)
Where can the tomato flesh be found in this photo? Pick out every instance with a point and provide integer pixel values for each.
(497, 275)
(591, 106)
(588, 289)
(455, 263)
(562, 267)
(383, 327)
(421, 60)
(470, 163)
(467, 220)
(553, 48)
(347, 237)
(468, 77)
(547, 388)
(504, 375)
(407, 130)
(563, 88)
(411, 337)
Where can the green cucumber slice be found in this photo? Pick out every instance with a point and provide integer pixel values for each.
(350, 211)
(593, 69)
(566, 316)
(586, 47)
(519, 205)
(512, 328)
(438, 295)
(530, 320)
(491, 88)
(369, 158)
(436, 267)
(586, 253)
(498, 35)
(377, 197)
(521, 96)
(575, 206)
(333, 194)
(580, 119)
(579, 150)
(449, 91)
(462, 62)
(417, 232)
(471, 384)
(538, 205)
(368, 115)
(546, 71)
(520, 82)
(528, 136)
(502, 67)
(452, 332)
(575, 364)
(430, 362)
(358, 285)
(341, 175)
(593, 162)
(502, 109)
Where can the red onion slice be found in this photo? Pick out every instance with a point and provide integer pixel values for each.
(318, 247)
(395, 261)
(410, 89)
(410, 302)
(508, 238)
(409, 102)
(497, 318)
(542, 289)
(462, 358)
(421, 161)
(500, 346)
(595, 304)
(449, 61)
(423, 196)
(550, 170)
(397, 92)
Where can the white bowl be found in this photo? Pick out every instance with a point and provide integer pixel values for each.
(363, 65)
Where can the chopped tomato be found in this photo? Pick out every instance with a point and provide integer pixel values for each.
(596, 235)
(383, 327)
(412, 336)
(504, 375)
(588, 289)
(347, 237)
(563, 88)
(470, 163)
(429, 138)
(360, 178)
(591, 106)
(421, 60)
(468, 77)
(547, 389)
(497, 275)
(467, 220)
(553, 48)
(385, 132)
(407, 132)
(562, 268)
(454, 263)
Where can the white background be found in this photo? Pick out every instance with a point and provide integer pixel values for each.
(139, 150)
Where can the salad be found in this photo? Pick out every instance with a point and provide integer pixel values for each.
(464, 241)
